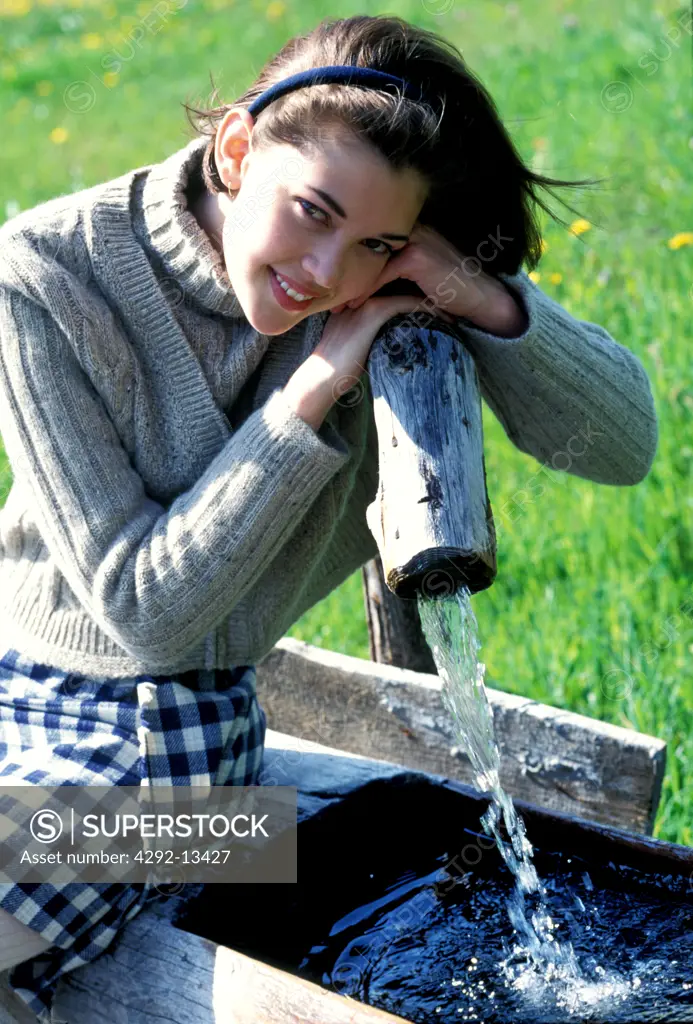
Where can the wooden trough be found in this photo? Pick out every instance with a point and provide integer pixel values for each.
(349, 721)
(555, 759)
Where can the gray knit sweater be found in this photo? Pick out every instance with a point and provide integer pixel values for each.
(169, 510)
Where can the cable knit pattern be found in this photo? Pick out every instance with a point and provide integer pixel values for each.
(169, 510)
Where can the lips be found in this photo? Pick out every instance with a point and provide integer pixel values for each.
(302, 289)
(284, 300)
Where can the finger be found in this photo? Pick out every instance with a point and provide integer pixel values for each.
(412, 304)
(393, 270)
(400, 304)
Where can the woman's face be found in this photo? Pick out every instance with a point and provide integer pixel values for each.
(326, 223)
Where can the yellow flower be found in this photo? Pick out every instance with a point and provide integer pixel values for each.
(578, 227)
(110, 79)
(14, 8)
(544, 246)
(275, 9)
(44, 88)
(682, 238)
(58, 135)
(555, 278)
(535, 276)
(91, 41)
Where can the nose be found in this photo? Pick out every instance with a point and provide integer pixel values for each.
(325, 266)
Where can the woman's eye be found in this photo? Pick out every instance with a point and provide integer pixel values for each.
(304, 204)
(385, 251)
(307, 207)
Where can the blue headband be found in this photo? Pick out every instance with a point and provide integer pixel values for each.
(344, 74)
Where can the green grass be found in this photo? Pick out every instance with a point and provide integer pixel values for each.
(591, 578)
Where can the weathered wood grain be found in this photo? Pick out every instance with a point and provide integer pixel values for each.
(12, 1009)
(552, 758)
(394, 627)
(157, 972)
(431, 516)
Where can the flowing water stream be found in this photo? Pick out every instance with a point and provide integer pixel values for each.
(538, 962)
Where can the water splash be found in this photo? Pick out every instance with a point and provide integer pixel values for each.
(538, 964)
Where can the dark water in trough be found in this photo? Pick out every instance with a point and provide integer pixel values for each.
(434, 958)
(401, 903)
(428, 900)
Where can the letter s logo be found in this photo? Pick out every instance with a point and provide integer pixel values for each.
(46, 826)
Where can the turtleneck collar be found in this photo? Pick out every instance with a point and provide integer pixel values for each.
(176, 236)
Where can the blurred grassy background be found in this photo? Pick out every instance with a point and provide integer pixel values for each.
(589, 610)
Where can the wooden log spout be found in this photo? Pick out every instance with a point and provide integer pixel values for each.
(431, 517)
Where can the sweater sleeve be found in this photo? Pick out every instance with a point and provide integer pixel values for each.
(565, 392)
(156, 579)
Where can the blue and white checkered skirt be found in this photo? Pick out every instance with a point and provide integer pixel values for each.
(56, 728)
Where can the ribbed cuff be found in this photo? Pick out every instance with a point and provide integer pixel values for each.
(525, 293)
(326, 443)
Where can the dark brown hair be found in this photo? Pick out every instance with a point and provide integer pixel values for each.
(478, 184)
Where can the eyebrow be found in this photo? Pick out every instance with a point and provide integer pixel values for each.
(338, 209)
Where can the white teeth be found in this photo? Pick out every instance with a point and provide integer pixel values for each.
(290, 291)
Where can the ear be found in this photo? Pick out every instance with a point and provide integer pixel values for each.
(233, 145)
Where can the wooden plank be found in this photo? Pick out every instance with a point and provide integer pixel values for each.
(159, 972)
(12, 1009)
(555, 759)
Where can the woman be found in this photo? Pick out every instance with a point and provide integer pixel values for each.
(174, 347)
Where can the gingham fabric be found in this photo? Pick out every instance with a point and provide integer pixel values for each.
(56, 728)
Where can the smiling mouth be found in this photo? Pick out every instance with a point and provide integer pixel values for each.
(283, 297)
(301, 290)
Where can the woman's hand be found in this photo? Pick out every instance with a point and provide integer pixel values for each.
(338, 360)
(451, 281)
